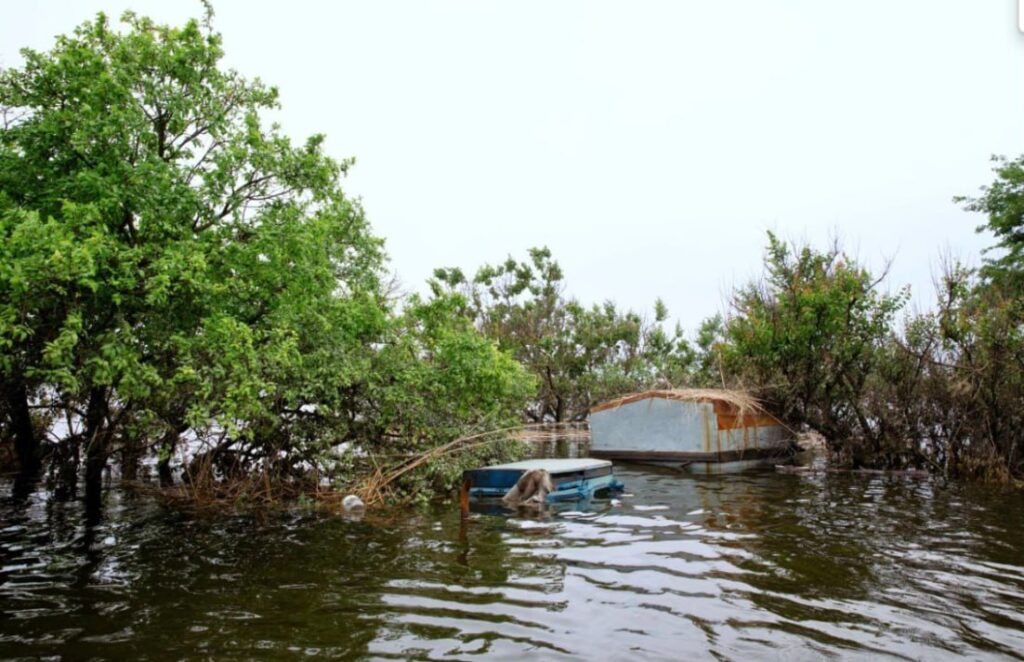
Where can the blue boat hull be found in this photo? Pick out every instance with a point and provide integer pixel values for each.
(569, 486)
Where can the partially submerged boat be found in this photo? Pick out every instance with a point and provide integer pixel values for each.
(573, 479)
(702, 430)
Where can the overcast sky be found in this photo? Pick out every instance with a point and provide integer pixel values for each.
(650, 145)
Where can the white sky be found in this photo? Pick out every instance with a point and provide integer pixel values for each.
(648, 144)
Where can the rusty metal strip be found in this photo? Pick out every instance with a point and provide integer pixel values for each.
(724, 456)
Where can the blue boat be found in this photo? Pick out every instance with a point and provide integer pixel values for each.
(574, 479)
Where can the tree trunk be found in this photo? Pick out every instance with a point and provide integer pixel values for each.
(26, 444)
(64, 468)
(163, 469)
(167, 446)
(130, 458)
(96, 437)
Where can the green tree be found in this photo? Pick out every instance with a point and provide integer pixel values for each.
(817, 340)
(171, 266)
(579, 356)
(708, 370)
(980, 336)
(951, 382)
(807, 337)
(1003, 204)
(167, 257)
(436, 379)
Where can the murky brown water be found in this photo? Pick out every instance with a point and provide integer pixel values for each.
(750, 566)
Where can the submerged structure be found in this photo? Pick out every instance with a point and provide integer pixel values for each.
(572, 479)
(704, 430)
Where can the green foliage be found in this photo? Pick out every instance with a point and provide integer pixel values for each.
(170, 264)
(172, 267)
(807, 336)
(166, 250)
(708, 369)
(437, 378)
(579, 355)
(944, 391)
(949, 385)
(1003, 203)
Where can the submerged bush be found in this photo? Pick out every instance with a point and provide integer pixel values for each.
(176, 275)
(820, 344)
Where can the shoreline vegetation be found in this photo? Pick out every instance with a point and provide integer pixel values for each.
(182, 284)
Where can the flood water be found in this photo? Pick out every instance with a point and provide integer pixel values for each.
(751, 566)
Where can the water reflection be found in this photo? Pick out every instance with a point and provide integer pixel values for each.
(729, 567)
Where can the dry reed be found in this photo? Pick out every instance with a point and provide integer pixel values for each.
(377, 488)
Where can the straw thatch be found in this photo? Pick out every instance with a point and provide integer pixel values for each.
(742, 402)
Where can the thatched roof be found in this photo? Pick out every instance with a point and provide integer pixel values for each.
(742, 402)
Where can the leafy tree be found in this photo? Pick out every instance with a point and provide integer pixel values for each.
(1003, 203)
(818, 342)
(807, 336)
(171, 267)
(951, 383)
(168, 258)
(708, 368)
(579, 355)
(437, 379)
(980, 337)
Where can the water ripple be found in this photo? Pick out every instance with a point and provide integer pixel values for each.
(732, 567)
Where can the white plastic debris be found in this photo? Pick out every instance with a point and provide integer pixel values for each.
(352, 502)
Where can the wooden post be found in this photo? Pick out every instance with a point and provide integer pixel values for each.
(467, 483)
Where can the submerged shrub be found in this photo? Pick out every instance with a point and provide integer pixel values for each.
(943, 391)
(178, 275)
